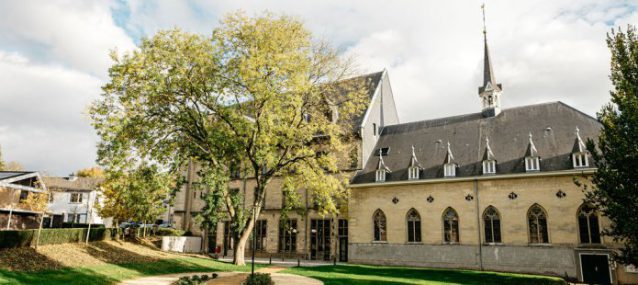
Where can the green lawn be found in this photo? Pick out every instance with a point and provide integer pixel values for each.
(113, 273)
(368, 275)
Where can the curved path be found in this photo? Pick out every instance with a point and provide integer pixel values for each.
(228, 278)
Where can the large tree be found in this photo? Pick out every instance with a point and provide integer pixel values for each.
(259, 92)
(615, 183)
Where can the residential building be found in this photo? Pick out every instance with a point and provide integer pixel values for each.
(73, 200)
(15, 189)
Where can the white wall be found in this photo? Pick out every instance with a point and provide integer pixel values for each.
(62, 205)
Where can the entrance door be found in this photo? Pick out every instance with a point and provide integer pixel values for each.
(320, 239)
(343, 240)
(228, 241)
(595, 268)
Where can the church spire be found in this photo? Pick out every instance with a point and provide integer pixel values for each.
(490, 92)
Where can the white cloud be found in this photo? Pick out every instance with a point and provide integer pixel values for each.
(53, 56)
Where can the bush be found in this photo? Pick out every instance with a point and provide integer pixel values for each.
(194, 280)
(259, 279)
(25, 238)
(169, 232)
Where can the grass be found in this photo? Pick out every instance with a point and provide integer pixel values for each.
(113, 273)
(369, 275)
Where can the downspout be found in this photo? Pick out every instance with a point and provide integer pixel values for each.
(478, 224)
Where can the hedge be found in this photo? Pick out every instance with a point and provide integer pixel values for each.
(25, 238)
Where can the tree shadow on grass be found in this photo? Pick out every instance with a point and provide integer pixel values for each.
(362, 274)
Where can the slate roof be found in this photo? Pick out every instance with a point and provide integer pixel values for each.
(10, 174)
(79, 184)
(551, 124)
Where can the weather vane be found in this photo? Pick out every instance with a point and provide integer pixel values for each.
(483, 9)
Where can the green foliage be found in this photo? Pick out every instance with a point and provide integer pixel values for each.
(195, 279)
(169, 232)
(25, 238)
(137, 194)
(615, 190)
(95, 172)
(241, 96)
(259, 279)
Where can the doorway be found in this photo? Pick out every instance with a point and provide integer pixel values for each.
(320, 239)
(595, 268)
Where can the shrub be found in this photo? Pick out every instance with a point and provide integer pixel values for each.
(259, 279)
(169, 232)
(25, 238)
(194, 280)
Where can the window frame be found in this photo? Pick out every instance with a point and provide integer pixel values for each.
(380, 175)
(78, 200)
(489, 167)
(454, 227)
(532, 163)
(288, 238)
(382, 225)
(539, 234)
(414, 235)
(580, 160)
(413, 173)
(588, 216)
(496, 214)
(449, 170)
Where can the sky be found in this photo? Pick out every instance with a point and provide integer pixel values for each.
(54, 56)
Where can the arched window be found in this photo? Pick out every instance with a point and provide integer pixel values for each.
(414, 226)
(378, 219)
(537, 222)
(450, 226)
(492, 222)
(588, 224)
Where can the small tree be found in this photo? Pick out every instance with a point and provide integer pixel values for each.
(94, 172)
(136, 194)
(259, 93)
(1, 160)
(615, 183)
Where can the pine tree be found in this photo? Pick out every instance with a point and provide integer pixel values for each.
(615, 183)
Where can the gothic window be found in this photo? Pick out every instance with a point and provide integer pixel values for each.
(378, 219)
(588, 224)
(532, 163)
(490, 101)
(492, 222)
(413, 172)
(537, 222)
(450, 226)
(580, 160)
(449, 170)
(414, 226)
(374, 129)
(489, 166)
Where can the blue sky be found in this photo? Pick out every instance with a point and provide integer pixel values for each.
(54, 56)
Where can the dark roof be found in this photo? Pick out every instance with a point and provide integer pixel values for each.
(551, 124)
(10, 174)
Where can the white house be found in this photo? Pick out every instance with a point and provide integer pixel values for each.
(73, 200)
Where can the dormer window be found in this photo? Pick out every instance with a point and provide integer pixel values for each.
(532, 160)
(579, 152)
(380, 177)
(449, 166)
(489, 167)
(580, 160)
(414, 168)
(489, 160)
(413, 173)
(449, 170)
(532, 164)
(382, 170)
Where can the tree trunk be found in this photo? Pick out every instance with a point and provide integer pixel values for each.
(239, 250)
